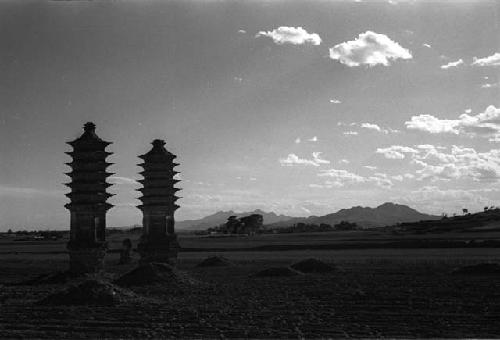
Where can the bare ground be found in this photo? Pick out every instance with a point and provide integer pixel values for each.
(384, 296)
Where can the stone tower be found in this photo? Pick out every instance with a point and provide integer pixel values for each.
(158, 241)
(88, 206)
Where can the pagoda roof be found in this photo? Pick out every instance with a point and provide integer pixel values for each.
(88, 137)
(161, 205)
(158, 151)
(154, 180)
(101, 173)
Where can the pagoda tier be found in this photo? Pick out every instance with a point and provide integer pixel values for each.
(158, 241)
(80, 165)
(98, 177)
(158, 191)
(88, 198)
(157, 182)
(89, 156)
(90, 187)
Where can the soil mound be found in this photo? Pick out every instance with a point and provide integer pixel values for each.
(313, 266)
(49, 279)
(154, 273)
(215, 261)
(89, 292)
(277, 272)
(478, 269)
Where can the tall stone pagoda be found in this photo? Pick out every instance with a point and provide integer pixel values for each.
(158, 241)
(88, 206)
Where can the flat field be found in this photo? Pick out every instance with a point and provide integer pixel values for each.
(374, 293)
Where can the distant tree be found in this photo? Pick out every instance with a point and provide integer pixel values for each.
(486, 209)
(465, 211)
(9, 231)
(345, 225)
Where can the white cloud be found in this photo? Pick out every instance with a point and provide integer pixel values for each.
(297, 140)
(431, 124)
(350, 133)
(427, 45)
(375, 127)
(344, 161)
(340, 177)
(291, 35)
(492, 60)
(313, 139)
(370, 167)
(293, 159)
(435, 163)
(486, 124)
(242, 31)
(335, 101)
(122, 180)
(370, 49)
(490, 85)
(452, 64)
(396, 151)
(460, 162)
(468, 110)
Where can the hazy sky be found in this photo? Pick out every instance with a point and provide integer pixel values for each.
(299, 107)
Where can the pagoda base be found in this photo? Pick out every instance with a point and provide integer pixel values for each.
(163, 251)
(86, 260)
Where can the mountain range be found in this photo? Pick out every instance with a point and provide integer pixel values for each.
(383, 215)
(222, 216)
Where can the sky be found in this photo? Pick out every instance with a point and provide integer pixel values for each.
(297, 107)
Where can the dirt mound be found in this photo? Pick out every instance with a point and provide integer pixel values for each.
(313, 266)
(215, 261)
(49, 279)
(154, 273)
(478, 269)
(89, 292)
(277, 272)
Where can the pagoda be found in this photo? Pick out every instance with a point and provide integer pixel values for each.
(88, 206)
(158, 242)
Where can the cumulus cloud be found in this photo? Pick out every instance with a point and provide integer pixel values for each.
(492, 60)
(340, 177)
(297, 140)
(452, 64)
(291, 35)
(313, 139)
(293, 159)
(427, 45)
(490, 85)
(371, 167)
(369, 126)
(335, 101)
(375, 127)
(396, 151)
(485, 124)
(122, 180)
(350, 133)
(370, 49)
(438, 163)
(459, 162)
(242, 31)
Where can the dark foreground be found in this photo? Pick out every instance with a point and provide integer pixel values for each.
(373, 295)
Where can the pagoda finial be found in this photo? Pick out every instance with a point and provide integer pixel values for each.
(89, 127)
(158, 143)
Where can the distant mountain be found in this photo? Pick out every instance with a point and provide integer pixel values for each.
(383, 215)
(222, 216)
